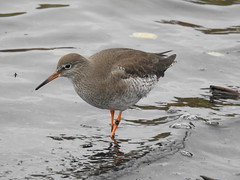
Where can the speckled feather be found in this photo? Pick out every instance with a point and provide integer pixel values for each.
(121, 77)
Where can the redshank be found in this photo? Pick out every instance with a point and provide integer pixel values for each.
(113, 79)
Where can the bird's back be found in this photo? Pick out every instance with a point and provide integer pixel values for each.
(133, 62)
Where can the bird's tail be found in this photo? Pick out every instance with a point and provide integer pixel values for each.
(169, 60)
(164, 64)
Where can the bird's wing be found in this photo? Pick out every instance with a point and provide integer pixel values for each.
(141, 64)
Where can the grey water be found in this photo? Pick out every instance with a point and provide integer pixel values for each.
(174, 133)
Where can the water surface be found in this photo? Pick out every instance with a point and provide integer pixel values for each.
(174, 133)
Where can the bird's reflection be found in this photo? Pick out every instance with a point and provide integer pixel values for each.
(112, 153)
(115, 147)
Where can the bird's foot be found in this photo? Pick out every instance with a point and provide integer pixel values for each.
(112, 136)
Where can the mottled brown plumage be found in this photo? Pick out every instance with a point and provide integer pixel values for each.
(135, 62)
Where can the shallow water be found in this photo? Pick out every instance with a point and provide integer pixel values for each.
(174, 133)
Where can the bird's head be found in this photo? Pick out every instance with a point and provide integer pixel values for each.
(69, 66)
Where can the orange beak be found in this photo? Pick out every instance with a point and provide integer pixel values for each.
(50, 78)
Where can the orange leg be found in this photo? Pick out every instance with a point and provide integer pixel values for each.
(112, 118)
(115, 126)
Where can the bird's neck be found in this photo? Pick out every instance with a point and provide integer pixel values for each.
(85, 78)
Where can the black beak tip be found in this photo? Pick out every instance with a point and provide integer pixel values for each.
(37, 88)
(42, 84)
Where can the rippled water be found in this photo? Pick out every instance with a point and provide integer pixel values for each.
(174, 133)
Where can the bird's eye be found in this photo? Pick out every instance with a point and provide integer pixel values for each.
(67, 66)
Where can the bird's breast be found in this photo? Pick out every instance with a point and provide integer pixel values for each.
(115, 94)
